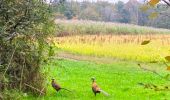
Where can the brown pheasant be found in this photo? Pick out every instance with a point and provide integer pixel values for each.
(56, 86)
(96, 89)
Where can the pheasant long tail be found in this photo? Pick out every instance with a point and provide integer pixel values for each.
(66, 89)
(105, 93)
(141, 84)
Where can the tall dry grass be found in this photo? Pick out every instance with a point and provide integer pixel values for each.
(118, 46)
(77, 27)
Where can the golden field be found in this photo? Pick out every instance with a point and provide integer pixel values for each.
(126, 47)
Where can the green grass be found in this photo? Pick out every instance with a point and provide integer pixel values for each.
(120, 79)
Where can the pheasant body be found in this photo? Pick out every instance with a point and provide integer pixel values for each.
(56, 86)
(96, 89)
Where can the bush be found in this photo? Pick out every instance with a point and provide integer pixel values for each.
(25, 26)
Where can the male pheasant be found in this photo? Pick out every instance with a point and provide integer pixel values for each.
(96, 89)
(56, 86)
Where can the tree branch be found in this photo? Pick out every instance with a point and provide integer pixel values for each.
(165, 14)
(156, 73)
(9, 62)
(168, 3)
(35, 88)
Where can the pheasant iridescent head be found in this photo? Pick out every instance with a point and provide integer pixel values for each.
(93, 79)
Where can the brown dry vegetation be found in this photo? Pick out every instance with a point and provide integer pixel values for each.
(118, 46)
(120, 39)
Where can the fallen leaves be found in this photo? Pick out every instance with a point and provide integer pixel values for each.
(154, 87)
(145, 42)
(153, 2)
(168, 68)
(167, 58)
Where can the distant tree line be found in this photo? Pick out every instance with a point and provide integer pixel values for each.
(121, 12)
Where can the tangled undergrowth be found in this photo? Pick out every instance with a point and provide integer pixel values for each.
(24, 28)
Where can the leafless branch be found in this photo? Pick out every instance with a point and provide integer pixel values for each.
(165, 64)
(22, 74)
(168, 3)
(165, 14)
(9, 62)
(153, 71)
(41, 91)
(34, 88)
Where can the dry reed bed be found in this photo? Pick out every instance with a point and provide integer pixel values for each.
(120, 39)
(118, 46)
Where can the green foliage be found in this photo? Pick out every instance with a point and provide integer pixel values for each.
(125, 16)
(68, 14)
(122, 11)
(12, 94)
(24, 28)
(63, 8)
(89, 14)
(119, 6)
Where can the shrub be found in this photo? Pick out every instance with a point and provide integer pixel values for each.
(24, 28)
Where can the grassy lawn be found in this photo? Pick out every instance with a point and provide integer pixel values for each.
(120, 79)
